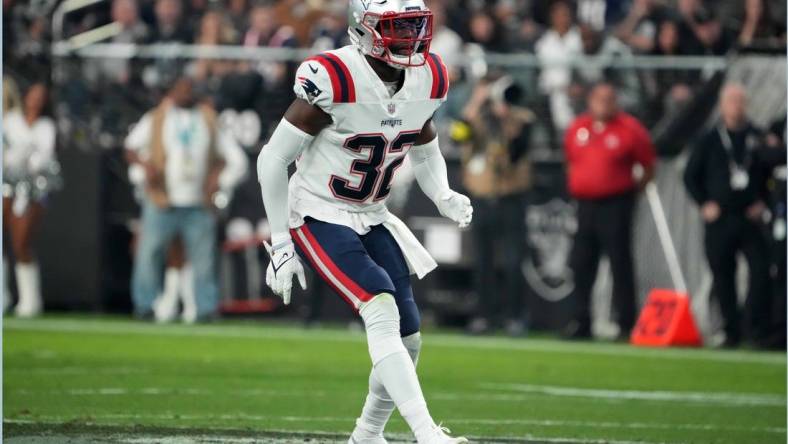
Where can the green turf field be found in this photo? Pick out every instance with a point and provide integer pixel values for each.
(124, 381)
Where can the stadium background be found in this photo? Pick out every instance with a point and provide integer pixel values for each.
(109, 62)
(105, 378)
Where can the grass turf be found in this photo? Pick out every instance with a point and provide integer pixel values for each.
(73, 375)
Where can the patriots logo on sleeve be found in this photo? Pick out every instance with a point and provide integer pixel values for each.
(311, 90)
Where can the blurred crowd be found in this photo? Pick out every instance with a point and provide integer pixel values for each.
(552, 30)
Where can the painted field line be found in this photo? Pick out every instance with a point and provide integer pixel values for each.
(717, 398)
(75, 370)
(297, 394)
(619, 425)
(436, 340)
(165, 391)
(454, 422)
(522, 393)
(526, 438)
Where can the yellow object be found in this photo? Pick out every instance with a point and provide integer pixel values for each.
(460, 131)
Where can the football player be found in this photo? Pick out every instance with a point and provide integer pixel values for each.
(359, 111)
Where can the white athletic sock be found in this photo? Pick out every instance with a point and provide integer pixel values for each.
(392, 363)
(187, 294)
(166, 305)
(28, 281)
(378, 405)
(399, 377)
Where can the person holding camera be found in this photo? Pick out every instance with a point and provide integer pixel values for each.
(496, 174)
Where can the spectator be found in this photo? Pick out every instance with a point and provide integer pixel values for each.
(559, 45)
(193, 10)
(514, 22)
(187, 160)
(29, 153)
(639, 27)
(603, 147)
(668, 90)
(330, 31)
(601, 14)
(445, 42)
(483, 30)
(450, 47)
(496, 173)
(237, 13)
(170, 28)
(177, 288)
(265, 30)
(119, 71)
(723, 177)
(608, 47)
(759, 24)
(215, 29)
(297, 17)
(704, 33)
(31, 48)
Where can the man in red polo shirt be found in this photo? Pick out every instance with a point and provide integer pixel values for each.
(603, 147)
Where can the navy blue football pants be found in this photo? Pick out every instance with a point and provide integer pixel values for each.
(358, 267)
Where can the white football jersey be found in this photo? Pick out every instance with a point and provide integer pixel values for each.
(345, 175)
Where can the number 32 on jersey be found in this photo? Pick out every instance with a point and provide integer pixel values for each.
(374, 181)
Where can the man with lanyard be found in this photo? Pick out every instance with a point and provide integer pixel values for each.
(188, 159)
(724, 177)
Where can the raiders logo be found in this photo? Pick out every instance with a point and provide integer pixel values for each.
(550, 227)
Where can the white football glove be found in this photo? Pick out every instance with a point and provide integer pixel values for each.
(456, 207)
(283, 265)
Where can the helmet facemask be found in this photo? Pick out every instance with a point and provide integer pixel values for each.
(401, 39)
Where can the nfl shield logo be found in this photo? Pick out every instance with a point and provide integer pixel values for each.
(392, 109)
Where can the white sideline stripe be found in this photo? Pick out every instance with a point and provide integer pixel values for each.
(349, 294)
(455, 421)
(431, 340)
(749, 399)
(523, 393)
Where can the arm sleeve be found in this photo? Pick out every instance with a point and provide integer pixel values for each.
(429, 167)
(286, 144)
(235, 164)
(693, 174)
